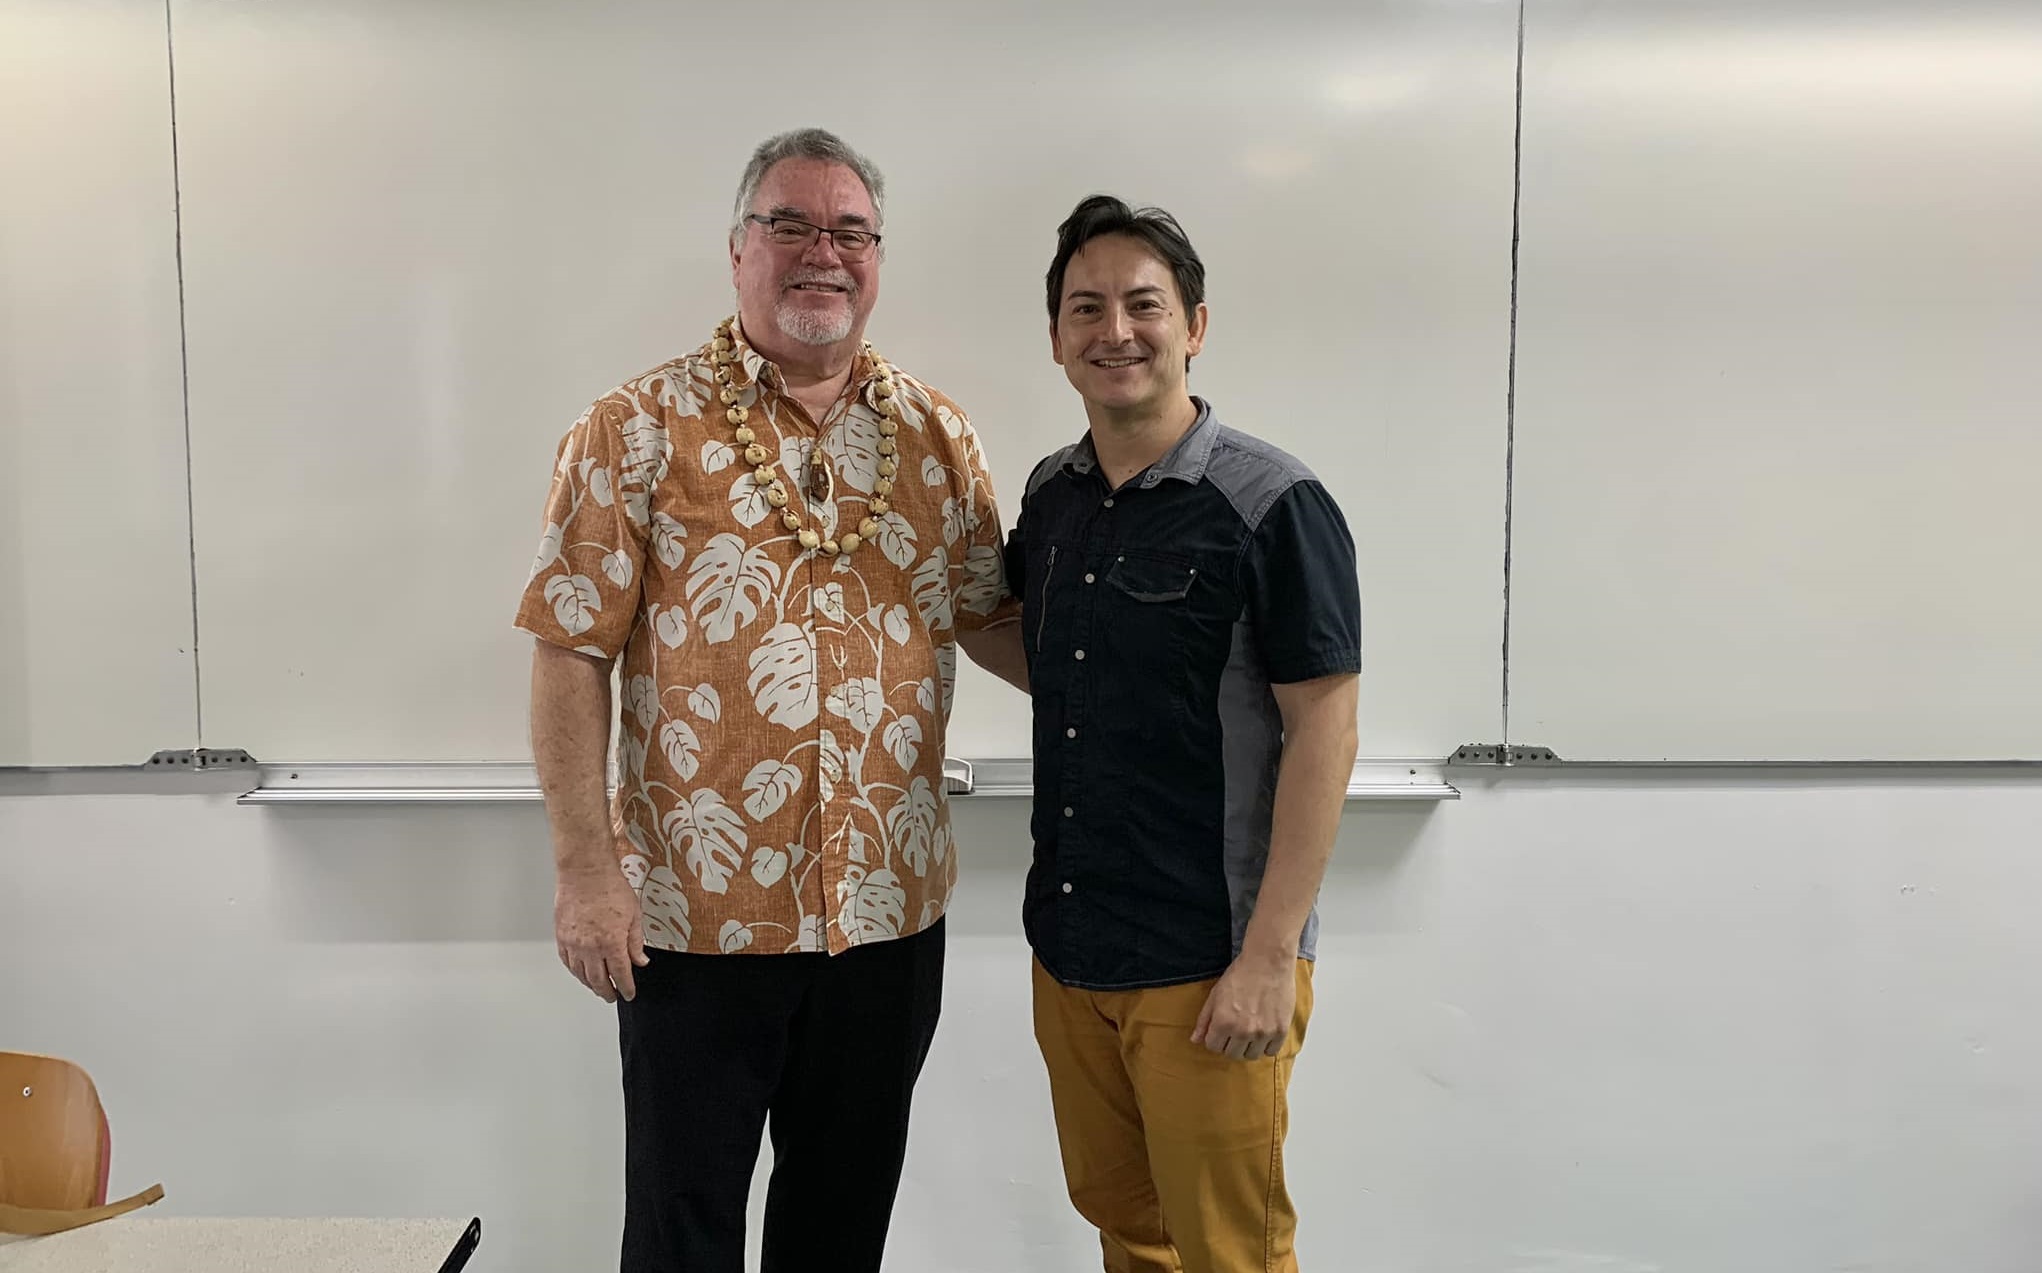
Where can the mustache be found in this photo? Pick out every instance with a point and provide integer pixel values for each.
(833, 278)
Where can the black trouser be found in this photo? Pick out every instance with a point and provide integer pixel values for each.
(828, 1046)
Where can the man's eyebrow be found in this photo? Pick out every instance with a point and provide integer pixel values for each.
(1147, 289)
(851, 220)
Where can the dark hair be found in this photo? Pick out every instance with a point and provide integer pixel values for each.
(1103, 214)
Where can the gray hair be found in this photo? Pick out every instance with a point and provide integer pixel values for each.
(805, 143)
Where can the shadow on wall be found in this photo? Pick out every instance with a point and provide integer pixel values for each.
(425, 873)
(414, 873)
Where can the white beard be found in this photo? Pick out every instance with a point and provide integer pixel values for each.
(809, 327)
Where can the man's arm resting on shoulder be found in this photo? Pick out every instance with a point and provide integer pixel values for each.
(596, 925)
(1248, 1013)
(999, 650)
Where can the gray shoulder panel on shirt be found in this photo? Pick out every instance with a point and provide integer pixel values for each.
(1252, 474)
(1050, 464)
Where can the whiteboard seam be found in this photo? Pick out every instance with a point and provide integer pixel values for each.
(1510, 386)
(198, 698)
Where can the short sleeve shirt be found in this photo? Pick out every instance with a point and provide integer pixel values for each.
(783, 713)
(1157, 616)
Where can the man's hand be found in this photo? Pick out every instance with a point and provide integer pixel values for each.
(597, 930)
(1247, 1015)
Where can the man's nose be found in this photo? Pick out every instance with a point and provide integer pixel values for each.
(823, 252)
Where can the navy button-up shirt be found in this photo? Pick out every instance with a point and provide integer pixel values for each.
(1156, 618)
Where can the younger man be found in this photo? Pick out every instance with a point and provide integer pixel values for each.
(1192, 621)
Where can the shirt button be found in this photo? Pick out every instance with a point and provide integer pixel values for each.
(1067, 886)
(1070, 733)
(1070, 812)
(1109, 502)
(1078, 654)
(1089, 576)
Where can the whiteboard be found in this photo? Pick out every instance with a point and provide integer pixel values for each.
(96, 642)
(419, 239)
(1779, 407)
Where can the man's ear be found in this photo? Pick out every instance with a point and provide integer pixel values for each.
(1196, 341)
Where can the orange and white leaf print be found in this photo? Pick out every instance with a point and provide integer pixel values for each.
(946, 674)
(575, 602)
(669, 540)
(903, 739)
(985, 580)
(710, 837)
(897, 539)
(861, 702)
(828, 601)
(767, 787)
(871, 906)
(829, 766)
(856, 439)
(705, 702)
(549, 549)
(916, 403)
(780, 766)
(672, 626)
(684, 389)
(911, 824)
(749, 503)
(617, 568)
(636, 866)
(782, 676)
(727, 585)
(932, 590)
(641, 700)
(769, 865)
(663, 910)
(810, 940)
(647, 451)
(682, 747)
(734, 937)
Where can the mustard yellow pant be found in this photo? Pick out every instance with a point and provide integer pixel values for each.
(1173, 1152)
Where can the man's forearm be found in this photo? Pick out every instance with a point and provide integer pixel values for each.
(999, 650)
(1311, 787)
(570, 747)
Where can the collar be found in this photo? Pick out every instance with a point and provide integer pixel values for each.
(753, 367)
(1185, 462)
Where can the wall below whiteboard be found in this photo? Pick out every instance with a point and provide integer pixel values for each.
(1616, 1023)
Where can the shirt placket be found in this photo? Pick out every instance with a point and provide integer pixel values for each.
(822, 835)
(1078, 788)
(833, 799)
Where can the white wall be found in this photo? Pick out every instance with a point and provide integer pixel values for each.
(1616, 1023)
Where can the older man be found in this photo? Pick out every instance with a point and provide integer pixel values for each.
(784, 537)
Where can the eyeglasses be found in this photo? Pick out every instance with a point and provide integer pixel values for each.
(787, 232)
